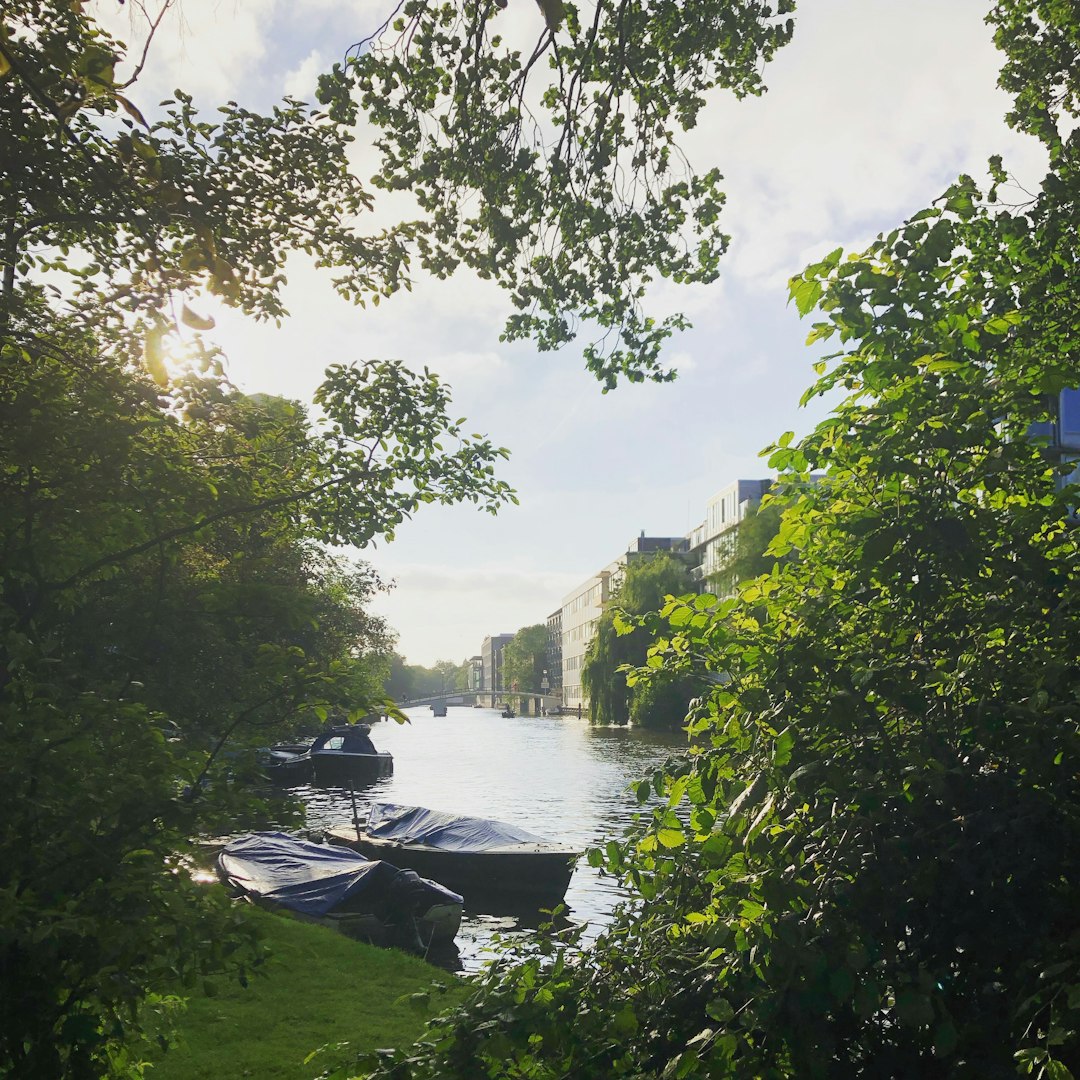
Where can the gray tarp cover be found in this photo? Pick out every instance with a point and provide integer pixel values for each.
(310, 878)
(450, 832)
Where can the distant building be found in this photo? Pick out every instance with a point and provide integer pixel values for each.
(1063, 432)
(476, 672)
(650, 545)
(554, 651)
(712, 543)
(582, 608)
(580, 613)
(491, 656)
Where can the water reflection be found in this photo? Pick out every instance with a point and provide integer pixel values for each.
(555, 776)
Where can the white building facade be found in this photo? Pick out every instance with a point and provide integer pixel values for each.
(581, 611)
(712, 543)
(582, 608)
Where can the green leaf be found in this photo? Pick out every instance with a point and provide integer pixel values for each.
(1001, 324)
(671, 838)
(806, 294)
(195, 321)
(154, 355)
(785, 742)
(625, 1021)
(945, 1039)
(132, 111)
(720, 1009)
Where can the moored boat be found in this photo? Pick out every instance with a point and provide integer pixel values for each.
(343, 755)
(369, 899)
(478, 857)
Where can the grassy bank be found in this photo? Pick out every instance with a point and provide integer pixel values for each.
(320, 989)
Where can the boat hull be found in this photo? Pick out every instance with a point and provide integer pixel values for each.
(327, 768)
(534, 873)
(333, 768)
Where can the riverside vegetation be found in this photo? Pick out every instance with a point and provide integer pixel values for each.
(868, 865)
(166, 600)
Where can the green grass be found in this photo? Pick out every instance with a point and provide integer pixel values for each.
(319, 988)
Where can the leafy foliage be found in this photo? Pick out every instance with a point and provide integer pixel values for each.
(525, 658)
(750, 556)
(166, 600)
(584, 197)
(407, 681)
(868, 864)
(150, 213)
(163, 605)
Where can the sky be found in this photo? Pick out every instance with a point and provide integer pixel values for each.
(871, 112)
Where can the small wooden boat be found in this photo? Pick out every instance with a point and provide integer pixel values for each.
(373, 900)
(478, 857)
(343, 756)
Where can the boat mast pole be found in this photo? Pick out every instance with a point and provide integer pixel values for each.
(355, 812)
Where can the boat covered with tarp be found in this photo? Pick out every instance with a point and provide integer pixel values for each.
(473, 855)
(370, 899)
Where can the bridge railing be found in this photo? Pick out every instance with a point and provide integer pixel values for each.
(548, 700)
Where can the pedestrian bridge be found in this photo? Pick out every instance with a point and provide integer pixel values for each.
(527, 702)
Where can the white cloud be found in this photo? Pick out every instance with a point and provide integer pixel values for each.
(871, 111)
(301, 82)
(207, 47)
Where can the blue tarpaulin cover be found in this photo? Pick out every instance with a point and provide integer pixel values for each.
(449, 832)
(310, 878)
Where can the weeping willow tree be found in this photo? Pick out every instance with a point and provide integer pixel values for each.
(619, 642)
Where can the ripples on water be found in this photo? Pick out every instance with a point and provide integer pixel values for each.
(556, 776)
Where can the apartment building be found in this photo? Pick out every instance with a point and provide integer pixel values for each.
(712, 543)
(491, 657)
(554, 651)
(580, 612)
(581, 609)
(1062, 432)
(476, 673)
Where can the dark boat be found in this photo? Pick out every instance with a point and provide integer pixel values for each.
(508, 713)
(477, 857)
(342, 756)
(438, 708)
(373, 900)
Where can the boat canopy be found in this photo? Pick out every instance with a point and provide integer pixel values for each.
(352, 739)
(312, 879)
(449, 832)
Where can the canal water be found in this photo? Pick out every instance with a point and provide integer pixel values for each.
(556, 776)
